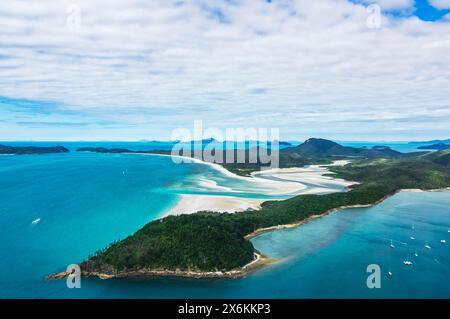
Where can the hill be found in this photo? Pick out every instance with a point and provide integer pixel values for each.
(316, 147)
(437, 146)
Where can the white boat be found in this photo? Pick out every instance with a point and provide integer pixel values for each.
(389, 273)
(391, 245)
(37, 220)
(416, 254)
(427, 246)
(443, 241)
(407, 261)
(413, 236)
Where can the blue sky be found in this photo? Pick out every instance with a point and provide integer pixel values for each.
(426, 11)
(131, 70)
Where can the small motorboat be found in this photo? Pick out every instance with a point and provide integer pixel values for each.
(412, 238)
(427, 246)
(443, 241)
(391, 245)
(37, 220)
(389, 273)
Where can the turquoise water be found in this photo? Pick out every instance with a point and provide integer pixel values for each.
(85, 201)
(328, 257)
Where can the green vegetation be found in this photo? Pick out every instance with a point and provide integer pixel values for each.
(28, 150)
(203, 241)
(104, 150)
(437, 146)
(209, 241)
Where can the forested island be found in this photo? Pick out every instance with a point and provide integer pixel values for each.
(29, 150)
(210, 244)
(437, 146)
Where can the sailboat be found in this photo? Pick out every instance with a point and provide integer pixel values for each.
(407, 262)
(389, 262)
(391, 245)
(414, 230)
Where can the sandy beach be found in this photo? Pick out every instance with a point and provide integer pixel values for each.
(274, 182)
(193, 203)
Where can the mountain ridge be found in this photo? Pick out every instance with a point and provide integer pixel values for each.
(319, 147)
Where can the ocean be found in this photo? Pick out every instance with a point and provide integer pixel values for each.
(59, 208)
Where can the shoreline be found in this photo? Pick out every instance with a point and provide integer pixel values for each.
(193, 203)
(261, 231)
(294, 181)
(259, 262)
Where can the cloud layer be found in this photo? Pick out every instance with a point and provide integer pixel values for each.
(138, 69)
(440, 4)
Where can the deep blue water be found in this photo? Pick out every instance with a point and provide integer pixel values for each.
(85, 201)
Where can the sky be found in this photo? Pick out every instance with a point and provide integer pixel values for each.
(137, 69)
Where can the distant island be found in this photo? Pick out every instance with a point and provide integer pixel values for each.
(437, 146)
(211, 244)
(107, 150)
(28, 150)
(430, 142)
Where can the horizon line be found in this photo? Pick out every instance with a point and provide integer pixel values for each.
(173, 141)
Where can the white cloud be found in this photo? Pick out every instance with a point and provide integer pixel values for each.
(440, 4)
(161, 64)
(390, 5)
